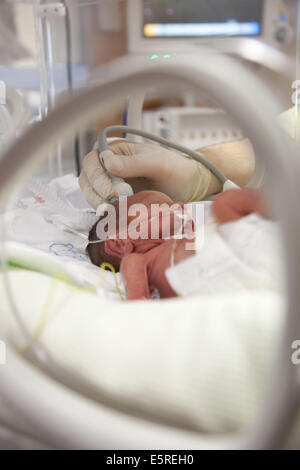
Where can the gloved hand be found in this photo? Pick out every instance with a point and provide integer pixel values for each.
(144, 166)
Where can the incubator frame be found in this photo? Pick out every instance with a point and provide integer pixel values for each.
(26, 389)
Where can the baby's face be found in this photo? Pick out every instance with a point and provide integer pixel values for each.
(153, 217)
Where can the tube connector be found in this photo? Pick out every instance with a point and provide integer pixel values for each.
(104, 154)
(230, 185)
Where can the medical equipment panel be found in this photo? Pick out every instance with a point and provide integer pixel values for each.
(161, 25)
(193, 127)
(194, 19)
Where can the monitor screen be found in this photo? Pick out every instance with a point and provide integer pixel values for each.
(202, 18)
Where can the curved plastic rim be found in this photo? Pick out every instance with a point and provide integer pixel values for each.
(241, 94)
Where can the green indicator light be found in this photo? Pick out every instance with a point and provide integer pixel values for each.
(166, 56)
(154, 56)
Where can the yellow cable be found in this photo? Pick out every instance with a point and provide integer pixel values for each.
(43, 317)
(46, 307)
(112, 269)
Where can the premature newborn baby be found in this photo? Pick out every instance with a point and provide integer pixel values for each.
(143, 261)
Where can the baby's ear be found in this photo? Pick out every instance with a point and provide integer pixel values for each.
(118, 248)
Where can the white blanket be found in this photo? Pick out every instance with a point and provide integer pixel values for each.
(201, 362)
(237, 256)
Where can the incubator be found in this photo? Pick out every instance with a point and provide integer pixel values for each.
(83, 367)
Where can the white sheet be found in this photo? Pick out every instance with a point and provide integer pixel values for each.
(45, 244)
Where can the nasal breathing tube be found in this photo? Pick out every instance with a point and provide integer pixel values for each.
(121, 188)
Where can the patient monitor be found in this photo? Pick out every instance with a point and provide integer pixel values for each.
(260, 31)
(163, 24)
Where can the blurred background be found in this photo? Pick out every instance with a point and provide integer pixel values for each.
(47, 49)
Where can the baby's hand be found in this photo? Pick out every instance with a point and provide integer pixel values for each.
(134, 272)
(142, 270)
(234, 204)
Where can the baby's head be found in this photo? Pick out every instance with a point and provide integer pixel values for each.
(115, 247)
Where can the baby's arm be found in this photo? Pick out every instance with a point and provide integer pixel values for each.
(233, 204)
(134, 272)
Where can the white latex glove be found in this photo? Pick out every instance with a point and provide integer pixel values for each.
(144, 166)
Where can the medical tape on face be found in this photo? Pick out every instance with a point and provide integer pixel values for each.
(143, 225)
